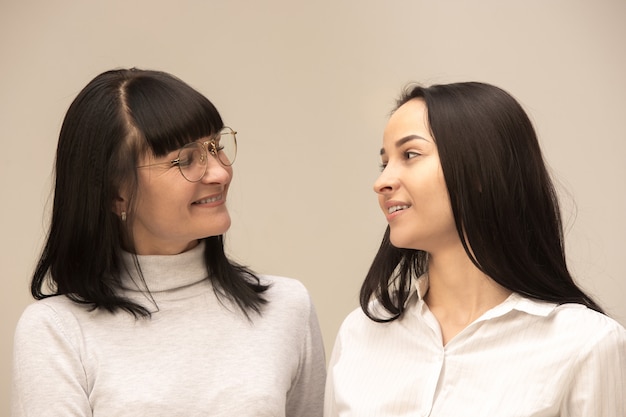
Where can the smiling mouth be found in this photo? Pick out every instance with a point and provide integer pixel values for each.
(208, 200)
(393, 209)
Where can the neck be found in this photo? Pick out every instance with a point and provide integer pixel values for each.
(458, 291)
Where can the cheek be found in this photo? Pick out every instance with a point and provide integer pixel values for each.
(430, 193)
(442, 191)
(158, 201)
(439, 187)
(441, 201)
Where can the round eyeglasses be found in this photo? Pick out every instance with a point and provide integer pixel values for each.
(192, 158)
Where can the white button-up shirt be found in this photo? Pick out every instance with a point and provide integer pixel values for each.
(522, 358)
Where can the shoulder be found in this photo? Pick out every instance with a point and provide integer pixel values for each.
(286, 296)
(51, 316)
(570, 319)
(283, 289)
(357, 326)
(584, 318)
(361, 339)
(574, 330)
(355, 319)
(588, 326)
(596, 368)
(53, 308)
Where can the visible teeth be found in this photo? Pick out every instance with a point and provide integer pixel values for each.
(393, 209)
(208, 200)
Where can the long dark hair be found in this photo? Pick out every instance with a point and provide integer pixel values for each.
(504, 203)
(120, 115)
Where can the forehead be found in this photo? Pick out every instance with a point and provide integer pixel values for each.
(411, 117)
(409, 121)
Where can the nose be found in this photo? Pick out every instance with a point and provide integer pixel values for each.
(216, 172)
(387, 181)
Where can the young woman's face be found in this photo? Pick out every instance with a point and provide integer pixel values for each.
(411, 188)
(172, 213)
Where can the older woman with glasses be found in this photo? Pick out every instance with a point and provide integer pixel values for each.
(139, 311)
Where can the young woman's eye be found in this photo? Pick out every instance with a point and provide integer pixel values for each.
(411, 154)
(382, 166)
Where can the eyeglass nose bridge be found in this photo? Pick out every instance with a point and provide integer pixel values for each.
(205, 151)
(210, 147)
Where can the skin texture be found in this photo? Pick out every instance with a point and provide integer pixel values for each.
(170, 213)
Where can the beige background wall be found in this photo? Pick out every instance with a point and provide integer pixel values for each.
(308, 85)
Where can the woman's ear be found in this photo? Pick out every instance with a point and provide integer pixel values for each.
(121, 200)
(119, 205)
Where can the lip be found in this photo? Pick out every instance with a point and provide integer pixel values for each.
(391, 204)
(212, 200)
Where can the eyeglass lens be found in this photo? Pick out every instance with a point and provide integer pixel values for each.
(192, 158)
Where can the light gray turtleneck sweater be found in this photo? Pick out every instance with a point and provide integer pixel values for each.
(196, 355)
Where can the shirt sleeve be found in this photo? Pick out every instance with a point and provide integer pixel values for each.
(330, 409)
(306, 396)
(598, 378)
(48, 376)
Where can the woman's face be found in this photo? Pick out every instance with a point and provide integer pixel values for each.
(171, 213)
(411, 188)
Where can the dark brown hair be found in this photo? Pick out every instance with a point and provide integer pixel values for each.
(503, 201)
(118, 116)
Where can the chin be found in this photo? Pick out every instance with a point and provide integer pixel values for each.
(220, 229)
(398, 241)
(402, 241)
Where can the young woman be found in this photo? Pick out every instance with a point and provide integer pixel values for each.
(468, 308)
(140, 312)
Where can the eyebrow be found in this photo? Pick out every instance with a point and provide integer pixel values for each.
(404, 140)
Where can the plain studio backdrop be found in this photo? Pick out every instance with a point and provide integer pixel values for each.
(309, 86)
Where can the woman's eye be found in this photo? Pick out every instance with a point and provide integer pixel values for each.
(188, 157)
(184, 160)
(406, 155)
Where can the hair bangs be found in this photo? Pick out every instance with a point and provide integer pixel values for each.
(168, 112)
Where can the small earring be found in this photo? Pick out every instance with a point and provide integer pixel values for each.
(123, 216)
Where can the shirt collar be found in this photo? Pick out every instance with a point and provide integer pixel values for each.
(515, 301)
(164, 272)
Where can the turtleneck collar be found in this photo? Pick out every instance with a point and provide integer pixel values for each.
(165, 272)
